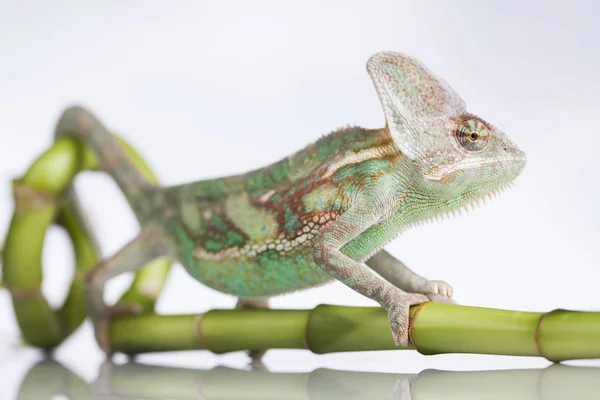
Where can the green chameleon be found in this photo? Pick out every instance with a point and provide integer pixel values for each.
(321, 214)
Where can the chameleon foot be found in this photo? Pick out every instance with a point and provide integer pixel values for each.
(398, 314)
(437, 291)
(102, 324)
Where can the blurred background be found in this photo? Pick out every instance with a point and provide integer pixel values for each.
(205, 89)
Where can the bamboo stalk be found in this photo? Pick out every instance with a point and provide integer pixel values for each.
(134, 380)
(435, 329)
(42, 198)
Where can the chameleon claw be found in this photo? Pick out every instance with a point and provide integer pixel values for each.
(398, 314)
(437, 291)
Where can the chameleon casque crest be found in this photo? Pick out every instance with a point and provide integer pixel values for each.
(323, 213)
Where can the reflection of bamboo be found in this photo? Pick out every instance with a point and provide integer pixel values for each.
(553, 383)
(152, 382)
(49, 378)
(229, 383)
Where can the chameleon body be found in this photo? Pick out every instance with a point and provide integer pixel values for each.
(323, 213)
(253, 234)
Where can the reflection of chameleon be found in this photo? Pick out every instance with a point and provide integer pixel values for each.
(322, 213)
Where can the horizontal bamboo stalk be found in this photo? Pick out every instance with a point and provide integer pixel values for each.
(435, 329)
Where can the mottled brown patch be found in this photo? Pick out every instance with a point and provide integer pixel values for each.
(79, 276)
(95, 275)
(536, 336)
(411, 323)
(305, 342)
(29, 199)
(83, 121)
(197, 331)
(19, 294)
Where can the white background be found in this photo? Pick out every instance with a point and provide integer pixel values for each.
(209, 89)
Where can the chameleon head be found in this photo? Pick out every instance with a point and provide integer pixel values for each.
(455, 154)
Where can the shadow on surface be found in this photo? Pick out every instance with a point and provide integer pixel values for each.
(132, 380)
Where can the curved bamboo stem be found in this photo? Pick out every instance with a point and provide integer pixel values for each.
(43, 197)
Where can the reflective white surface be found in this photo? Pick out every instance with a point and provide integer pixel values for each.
(204, 90)
(138, 379)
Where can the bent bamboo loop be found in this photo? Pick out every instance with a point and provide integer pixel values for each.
(43, 197)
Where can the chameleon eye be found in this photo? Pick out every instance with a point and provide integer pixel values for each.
(472, 134)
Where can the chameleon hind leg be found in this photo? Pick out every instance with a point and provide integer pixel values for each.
(145, 247)
(246, 303)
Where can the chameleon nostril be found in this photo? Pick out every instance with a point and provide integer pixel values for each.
(505, 149)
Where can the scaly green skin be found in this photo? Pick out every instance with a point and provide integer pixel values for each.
(252, 235)
(325, 211)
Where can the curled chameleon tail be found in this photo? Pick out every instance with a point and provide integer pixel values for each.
(80, 124)
(43, 197)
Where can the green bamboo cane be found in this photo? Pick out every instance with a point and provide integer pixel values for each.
(43, 197)
(132, 380)
(435, 328)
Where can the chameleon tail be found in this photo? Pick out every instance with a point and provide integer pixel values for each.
(78, 123)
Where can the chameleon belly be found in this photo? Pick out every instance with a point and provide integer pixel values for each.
(266, 274)
(247, 252)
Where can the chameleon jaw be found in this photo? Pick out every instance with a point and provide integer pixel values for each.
(460, 210)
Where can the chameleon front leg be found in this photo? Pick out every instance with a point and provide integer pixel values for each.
(397, 273)
(247, 303)
(144, 248)
(328, 256)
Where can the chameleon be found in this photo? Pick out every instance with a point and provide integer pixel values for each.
(322, 214)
